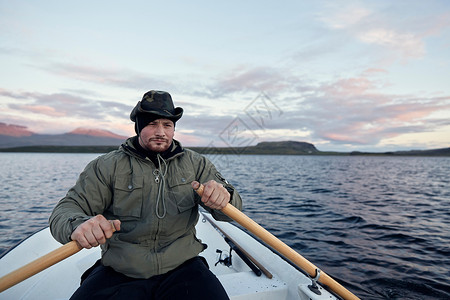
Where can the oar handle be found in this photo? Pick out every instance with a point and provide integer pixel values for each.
(282, 248)
(38, 265)
(41, 264)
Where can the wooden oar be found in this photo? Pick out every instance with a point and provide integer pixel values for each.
(40, 264)
(282, 248)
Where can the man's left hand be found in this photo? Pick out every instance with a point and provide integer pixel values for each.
(214, 195)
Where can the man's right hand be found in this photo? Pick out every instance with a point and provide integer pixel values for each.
(95, 231)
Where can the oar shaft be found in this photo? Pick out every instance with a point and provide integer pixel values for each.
(283, 249)
(38, 265)
(41, 263)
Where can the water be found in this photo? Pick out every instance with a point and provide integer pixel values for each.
(378, 225)
(31, 185)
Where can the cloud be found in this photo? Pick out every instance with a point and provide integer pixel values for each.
(349, 110)
(40, 109)
(252, 80)
(352, 112)
(373, 72)
(14, 95)
(400, 38)
(350, 88)
(60, 105)
(107, 76)
(407, 44)
(344, 17)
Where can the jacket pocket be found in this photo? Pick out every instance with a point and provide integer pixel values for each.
(128, 196)
(180, 193)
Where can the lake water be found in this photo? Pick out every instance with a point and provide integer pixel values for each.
(378, 225)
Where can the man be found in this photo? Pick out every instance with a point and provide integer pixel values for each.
(143, 190)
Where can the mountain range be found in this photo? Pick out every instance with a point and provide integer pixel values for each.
(12, 136)
(18, 138)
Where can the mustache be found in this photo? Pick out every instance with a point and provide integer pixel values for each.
(159, 139)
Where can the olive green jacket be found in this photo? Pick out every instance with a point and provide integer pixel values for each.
(157, 233)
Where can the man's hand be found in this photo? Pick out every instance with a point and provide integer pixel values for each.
(214, 195)
(95, 231)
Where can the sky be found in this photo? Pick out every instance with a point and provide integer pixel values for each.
(343, 75)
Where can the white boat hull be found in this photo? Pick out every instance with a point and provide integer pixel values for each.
(62, 279)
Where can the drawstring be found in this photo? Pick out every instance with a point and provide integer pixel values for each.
(161, 186)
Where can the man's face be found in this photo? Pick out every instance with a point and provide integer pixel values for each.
(157, 136)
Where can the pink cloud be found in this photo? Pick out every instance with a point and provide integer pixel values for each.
(44, 110)
(352, 110)
(189, 139)
(406, 43)
(374, 71)
(244, 79)
(349, 87)
(65, 104)
(410, 112)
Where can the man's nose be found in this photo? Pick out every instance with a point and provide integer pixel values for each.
(159, 129)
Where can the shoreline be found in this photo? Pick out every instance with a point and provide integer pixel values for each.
(251, 150)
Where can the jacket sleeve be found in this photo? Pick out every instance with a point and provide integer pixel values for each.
(207, 171)
(90, 196)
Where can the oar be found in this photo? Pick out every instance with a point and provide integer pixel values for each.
(40, 264)
(282, 248)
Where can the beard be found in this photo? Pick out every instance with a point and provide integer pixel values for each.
(157, 144)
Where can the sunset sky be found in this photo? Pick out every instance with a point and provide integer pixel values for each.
(343, 75)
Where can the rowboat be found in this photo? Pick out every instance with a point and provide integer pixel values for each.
(247, 268)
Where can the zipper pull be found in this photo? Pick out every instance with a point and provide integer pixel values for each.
(156, 173)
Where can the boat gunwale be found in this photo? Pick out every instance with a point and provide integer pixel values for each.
(22, 241)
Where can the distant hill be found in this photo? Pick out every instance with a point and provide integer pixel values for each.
(12, 136)
(431, 152)
(285, 147)
(264, 148)
(14, 130)
(97, 132)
